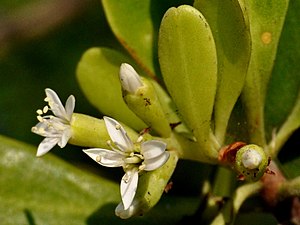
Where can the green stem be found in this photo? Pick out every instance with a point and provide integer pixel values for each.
(290, 188)
(227, 215)
(290, 125)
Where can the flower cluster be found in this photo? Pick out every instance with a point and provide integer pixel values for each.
(133, 157)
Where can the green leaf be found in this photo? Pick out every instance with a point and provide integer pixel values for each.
(266, 20)
(188, 61)
(98, 77)
(47, 190)
(136, 23)
(132, 23)
(232, 37)
(284, 86)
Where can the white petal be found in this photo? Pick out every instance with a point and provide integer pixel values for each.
(118, 134)
(134, 209)
(155, 163)
(251, 159)
(105, 157)
(152, 149)
(46, 145)
(55, 104)
(130, 80)
(66, 135)
(70, 106)
(129, 184)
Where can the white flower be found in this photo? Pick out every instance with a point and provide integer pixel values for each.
(130, 80)
(56, 129)
(133, 157)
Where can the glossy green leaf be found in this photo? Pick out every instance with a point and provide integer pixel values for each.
(232, 37)
(170, 109)
(136, 23)
(266, 19)
(285, 81)
(188, 61)
(48, 190)
(98, 77)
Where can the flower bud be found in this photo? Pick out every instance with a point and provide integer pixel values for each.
(140, 96)
(130, 80)
(251, 162)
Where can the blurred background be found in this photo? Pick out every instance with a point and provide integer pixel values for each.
(41, 42)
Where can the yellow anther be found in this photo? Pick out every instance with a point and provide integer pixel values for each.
(46, 99)
(98, 158)
(45, 109)
(40, 118)
(140, 138)
(118, 126)
(39, 111)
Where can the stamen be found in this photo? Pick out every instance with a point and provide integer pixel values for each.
(40, 118)
(125, 178)
(140, 139)
(132, 160)
(45, 109)
(98, 158)
(39, 111)
(118, 126)
(46, 99)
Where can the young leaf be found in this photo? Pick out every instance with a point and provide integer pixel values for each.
(188, 61)
(98, 77)
(232, 37)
